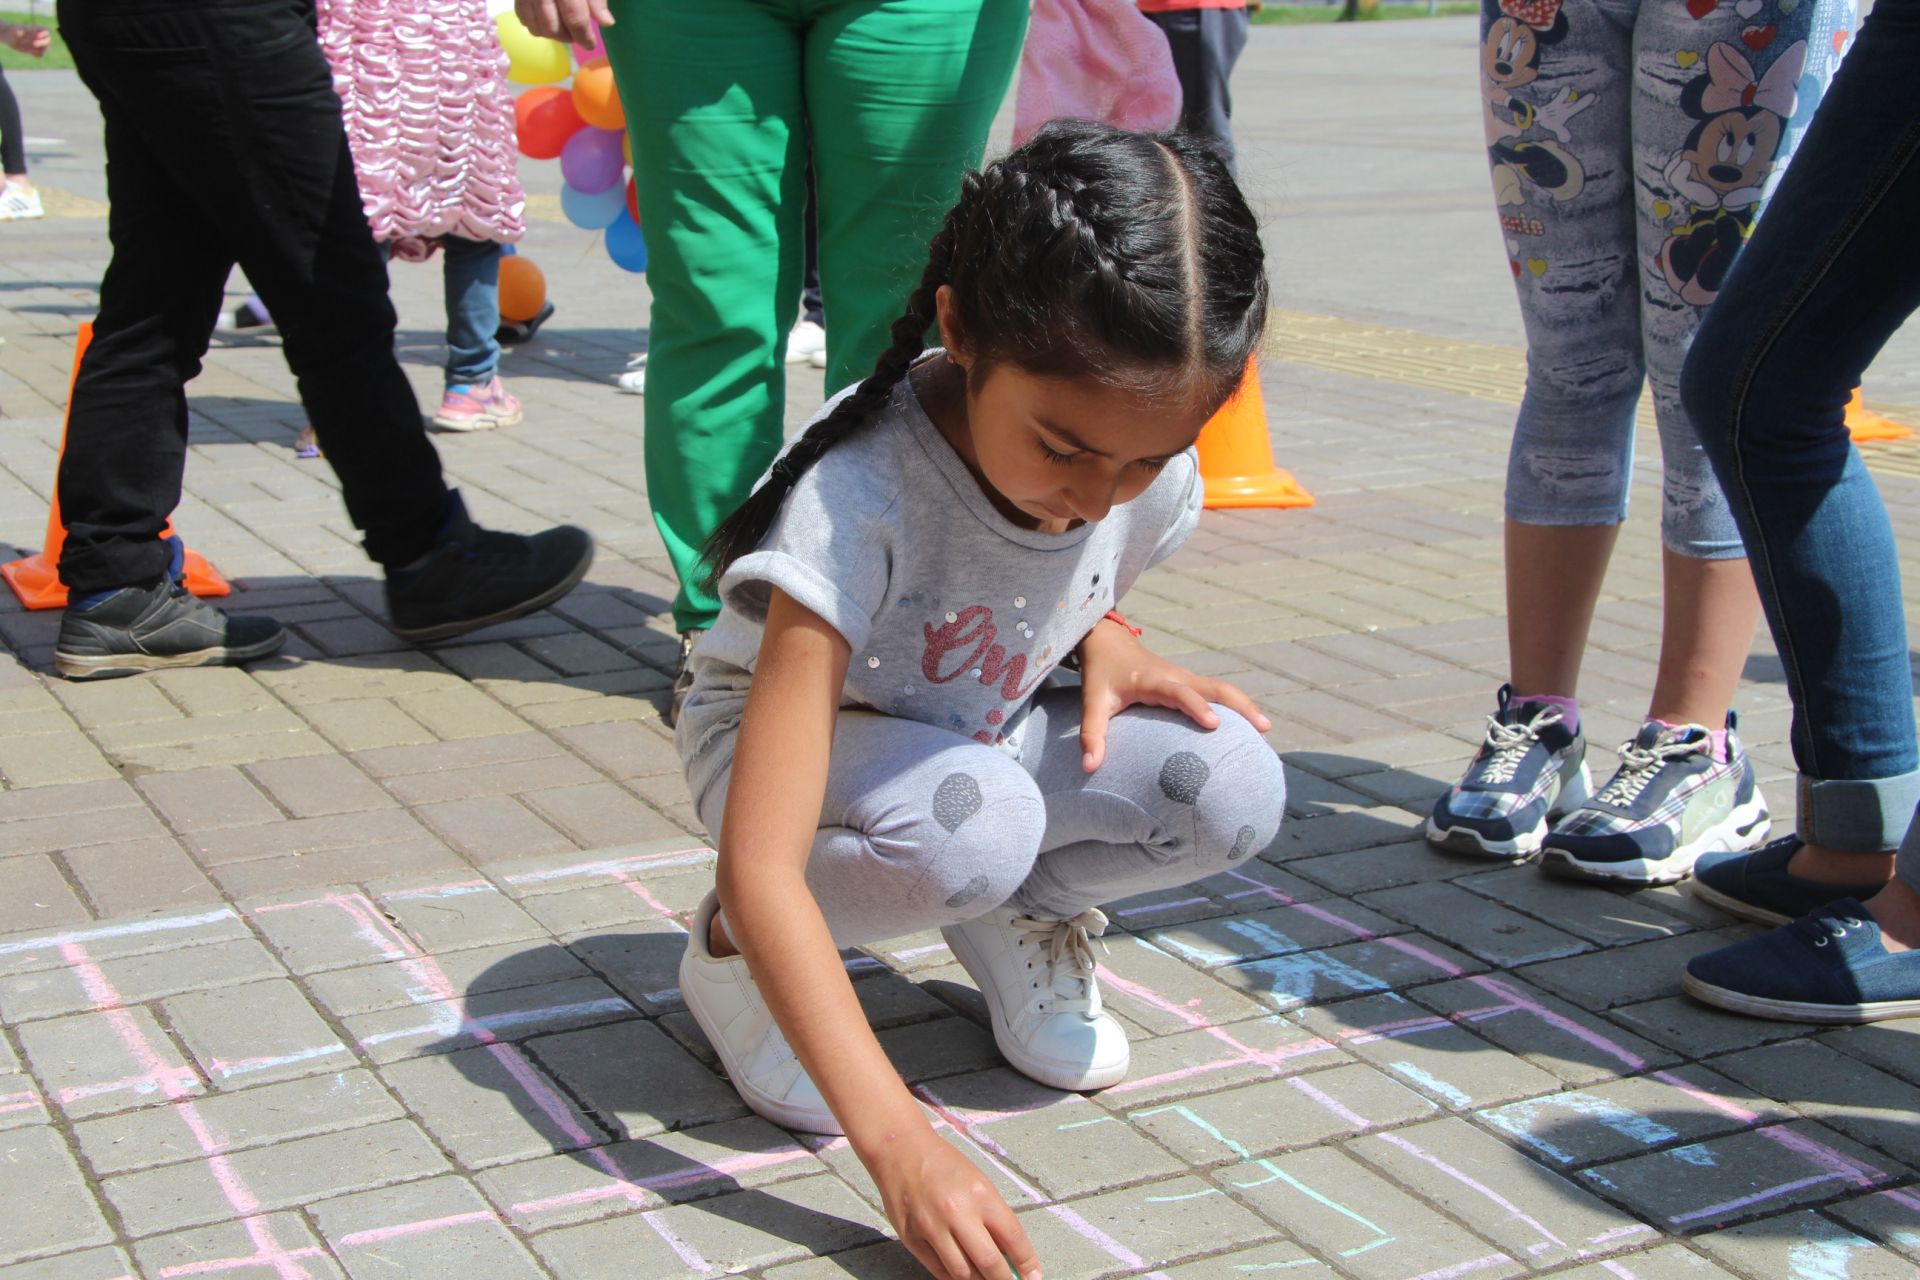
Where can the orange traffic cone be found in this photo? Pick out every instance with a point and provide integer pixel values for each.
(1236, 458)
(36, 578)
(1864, 424)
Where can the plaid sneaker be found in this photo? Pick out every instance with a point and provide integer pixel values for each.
(1670, 802)
(1530, 769)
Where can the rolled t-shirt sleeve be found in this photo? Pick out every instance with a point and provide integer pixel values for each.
(830, 549)
(1186, 513)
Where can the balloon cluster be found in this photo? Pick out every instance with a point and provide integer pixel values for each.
(583, 126)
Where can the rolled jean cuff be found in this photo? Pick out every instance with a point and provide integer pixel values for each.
(1858, 815)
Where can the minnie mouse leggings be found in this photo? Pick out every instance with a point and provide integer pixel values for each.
(1632, 143)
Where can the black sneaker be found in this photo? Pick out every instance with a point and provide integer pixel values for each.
(150, 628)
(475, 577)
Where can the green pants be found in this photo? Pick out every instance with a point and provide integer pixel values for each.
(899, 94)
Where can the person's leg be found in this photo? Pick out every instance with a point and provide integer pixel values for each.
(713, 97)
(812, 309)
(1824, 283)
(13, 140)
(1557, 115)
(1206, 43)
(471, 278)
(903, 94)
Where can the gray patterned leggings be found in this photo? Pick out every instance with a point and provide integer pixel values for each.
(1632, 143)
(922, 827)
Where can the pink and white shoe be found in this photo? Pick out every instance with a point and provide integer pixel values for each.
(481, 407)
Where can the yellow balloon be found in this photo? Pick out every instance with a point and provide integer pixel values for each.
(531, 59)
(626, 147)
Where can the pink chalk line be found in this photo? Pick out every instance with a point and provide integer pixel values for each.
(107, 1001)
(1358, 1122)
(380, 1235)
(1480, 1188)
(26, 1101)
(215, 1265)
(688, 1176)
(614, 866)
(1465, 1268)
(1246, 1054)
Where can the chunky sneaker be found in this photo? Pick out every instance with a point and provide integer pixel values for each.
(18, 203)
(1668, 803)
(683, 674)
(1757, 885)
(634, 381)
(1826, 967)
(1044, 996)
(475, 577)
(512, 333)
(723, 999)
(251, 314)
(806, 339)
(481, 407)
(1529, 770)
(150, 628)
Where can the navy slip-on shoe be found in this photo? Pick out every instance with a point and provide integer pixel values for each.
(1829, 967)
(1757, 886)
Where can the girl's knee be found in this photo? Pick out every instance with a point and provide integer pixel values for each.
(972, 838)
(1223, 791)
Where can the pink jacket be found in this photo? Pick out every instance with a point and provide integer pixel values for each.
(423, 85)
(1094, 60)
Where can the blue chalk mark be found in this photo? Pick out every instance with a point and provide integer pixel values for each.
(1191, 1195)
(1081, 1124)
(1431, 1082)
(1187, 1114)
(1291, 980)
(1697, 1155)
(1518, 1119)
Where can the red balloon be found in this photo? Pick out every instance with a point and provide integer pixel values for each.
(633, 199)
(545, 118)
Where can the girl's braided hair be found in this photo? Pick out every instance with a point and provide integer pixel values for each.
(1128, 258)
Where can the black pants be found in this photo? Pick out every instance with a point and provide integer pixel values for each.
(13, 142)
(1206, 43)
(224, 144)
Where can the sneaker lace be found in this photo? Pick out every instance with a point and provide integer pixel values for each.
(1824, 930)
(1640, 765)
(1067, 947)
(1511, 742)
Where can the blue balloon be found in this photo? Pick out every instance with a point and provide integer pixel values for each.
(593, 212)
(625, 244)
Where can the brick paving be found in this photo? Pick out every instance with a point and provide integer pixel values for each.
(361, 962)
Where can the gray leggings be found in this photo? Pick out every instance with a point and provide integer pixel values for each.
(1631, 142)
(922, 827)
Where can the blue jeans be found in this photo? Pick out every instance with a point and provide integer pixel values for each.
(1827, 278)
(472, 281)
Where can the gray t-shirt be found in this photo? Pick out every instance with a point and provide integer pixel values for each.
(954, 613)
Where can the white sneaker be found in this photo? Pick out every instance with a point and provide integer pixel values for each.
(634, 380)
(18, 203)
(818, 359)
(806, 341)
(1038, 978)
(723, 999)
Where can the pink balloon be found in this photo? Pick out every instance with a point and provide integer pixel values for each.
(599, 50)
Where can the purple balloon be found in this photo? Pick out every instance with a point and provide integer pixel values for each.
(591, 161)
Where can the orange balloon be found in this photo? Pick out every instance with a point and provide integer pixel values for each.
(545, 119)
(523, 289)
(596, 97)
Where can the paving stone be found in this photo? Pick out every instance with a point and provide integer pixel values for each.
(134, 979)
(1522, 1207)
(1668, 1262)
(276, 1177)
(444, 918)
(506, 748)
(207, 799)
(88, 1264)
(1695, 1030)
(1178, 1066)
(304, 836)
(1275, 1115)
(49, 1208)
(52, 759)
(1481, 928)
(1435, 1056)
(261, 1248)
(93, 1063)
(331, 930)
(56, 831)
(635, 1080)
(622, 749)
(1339, 1209)
(254, 1034)
(1553, 1035)
(389, 1035)
(748, 1229)
(598, 814)
(1893, 1046)
(492, 827)
(1867, 1105)
(116, 939)
(38, 896)
(1804, 1244)
(668, 1168)
(1282, 930)
(642, 963)
(20, 1102)
(491, 1105)
(1623, 975)
(1745, 1176)
(438, 1227)
(318, 787)
(935, 1050)
(237, 1121)
(474, 972)
(1158, 991)
(139, 876)
(1602, 917)
(420, 855)
(510, 778)
(1891, 1217)
(366, 725)
(1621, 1118)
(1312, 977)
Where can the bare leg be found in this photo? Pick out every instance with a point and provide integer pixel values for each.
(1896, 909)
(1554, 574)
(1709, 614)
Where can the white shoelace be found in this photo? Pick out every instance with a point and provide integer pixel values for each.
(1070, 941)
(1639, 764)
(1510, 743)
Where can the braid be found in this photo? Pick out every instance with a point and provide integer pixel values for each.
(744, 530)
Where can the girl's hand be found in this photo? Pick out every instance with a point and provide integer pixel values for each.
(948, 1215)
(571, 20)
(30, 40)
(1117, 672)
